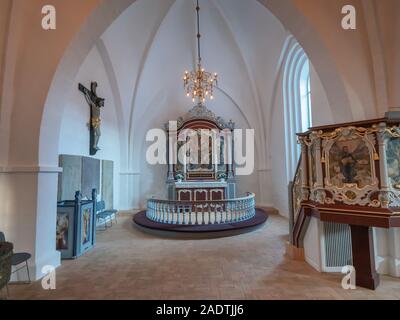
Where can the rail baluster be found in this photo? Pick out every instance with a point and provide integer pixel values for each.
(201, 212)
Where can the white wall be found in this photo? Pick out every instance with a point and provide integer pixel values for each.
(279, 178)
(74, 134)
(37, 187)
(321, 110)
(312, 244)
(387, 251)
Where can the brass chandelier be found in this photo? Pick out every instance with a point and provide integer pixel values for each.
(199, 84)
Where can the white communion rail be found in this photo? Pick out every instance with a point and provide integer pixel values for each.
(201, 212)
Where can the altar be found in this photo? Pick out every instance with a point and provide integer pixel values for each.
(212, 177)
(201, 190)
(201, 181)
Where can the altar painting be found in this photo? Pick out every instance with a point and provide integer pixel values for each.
(201, 156)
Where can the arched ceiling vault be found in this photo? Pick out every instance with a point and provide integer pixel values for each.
(259, 110)
(58, 65)
(244, 89)
(377, 56)
(139, 74)
(112, 79)
(296, 17)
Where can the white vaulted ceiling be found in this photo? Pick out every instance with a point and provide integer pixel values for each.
(147, 49)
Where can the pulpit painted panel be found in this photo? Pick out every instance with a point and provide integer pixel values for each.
(65, 230)
(75, 227)
(341, 166)
(350, 162)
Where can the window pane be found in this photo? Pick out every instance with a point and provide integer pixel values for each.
(305, 97)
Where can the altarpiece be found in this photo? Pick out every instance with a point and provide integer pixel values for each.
(212, 177)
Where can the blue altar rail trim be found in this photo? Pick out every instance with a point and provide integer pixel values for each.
(201, 212)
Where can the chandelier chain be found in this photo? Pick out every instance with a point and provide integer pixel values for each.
(198, 33)
(199, 84)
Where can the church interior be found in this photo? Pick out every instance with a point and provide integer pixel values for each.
(199, 149)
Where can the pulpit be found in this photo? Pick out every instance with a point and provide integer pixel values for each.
(350, 174)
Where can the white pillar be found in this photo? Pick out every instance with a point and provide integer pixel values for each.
(387, 249)
(129, 189)
(172, 151)
(29, 214)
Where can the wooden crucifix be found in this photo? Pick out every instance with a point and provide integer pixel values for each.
(95, 104)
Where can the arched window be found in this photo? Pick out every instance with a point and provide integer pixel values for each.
(305, 97)
(297, 101)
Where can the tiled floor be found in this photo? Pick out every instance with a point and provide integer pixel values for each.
(128, 264)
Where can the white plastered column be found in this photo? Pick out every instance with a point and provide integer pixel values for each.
(29, 198)
(387, 248)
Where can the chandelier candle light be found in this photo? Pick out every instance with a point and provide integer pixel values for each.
(200, 83)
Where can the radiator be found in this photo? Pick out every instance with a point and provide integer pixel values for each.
(338, 252)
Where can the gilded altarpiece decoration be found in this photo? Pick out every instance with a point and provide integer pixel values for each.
(211, 177)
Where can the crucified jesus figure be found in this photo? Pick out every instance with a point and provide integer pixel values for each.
(95, 103)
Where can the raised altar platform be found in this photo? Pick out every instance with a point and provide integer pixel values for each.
(209, 230)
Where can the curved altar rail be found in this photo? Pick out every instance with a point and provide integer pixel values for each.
(201, 212)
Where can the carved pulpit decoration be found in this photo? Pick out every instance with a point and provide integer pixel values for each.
(95, 103)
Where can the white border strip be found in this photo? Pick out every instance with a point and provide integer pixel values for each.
(30, 169)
